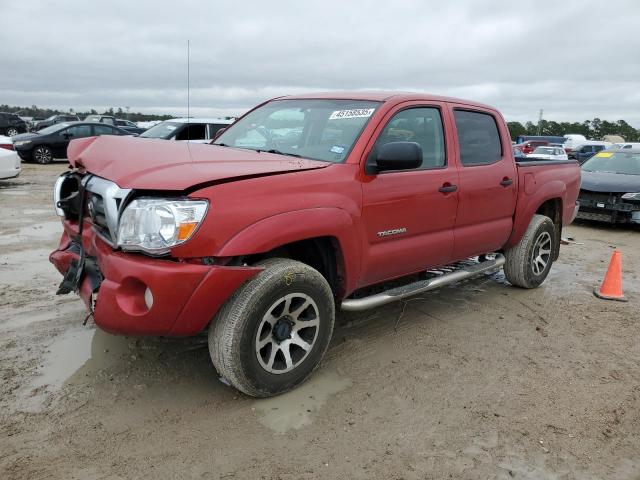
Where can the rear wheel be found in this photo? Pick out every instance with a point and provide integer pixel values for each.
(12, 131)
(42, 154)
(274, 330)
(528, 263)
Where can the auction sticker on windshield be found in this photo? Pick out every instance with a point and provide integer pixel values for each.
(355, 113)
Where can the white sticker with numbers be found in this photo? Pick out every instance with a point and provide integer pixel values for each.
(355, 113)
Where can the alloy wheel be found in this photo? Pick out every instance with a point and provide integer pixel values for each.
(541, 253)
(287, 333)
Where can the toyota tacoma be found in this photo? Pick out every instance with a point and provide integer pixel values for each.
(305, 205)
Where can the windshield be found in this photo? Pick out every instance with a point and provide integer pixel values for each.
(53, 128)
(161, 130)
(311, 128)
(627, 163)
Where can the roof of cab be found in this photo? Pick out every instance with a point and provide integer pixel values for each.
(382, 96)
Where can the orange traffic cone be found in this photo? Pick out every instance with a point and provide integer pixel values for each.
(611, 288)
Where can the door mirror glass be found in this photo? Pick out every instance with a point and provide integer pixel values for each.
(399, 156)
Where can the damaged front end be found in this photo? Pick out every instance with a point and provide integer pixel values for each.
(131, 289)
(79, 201)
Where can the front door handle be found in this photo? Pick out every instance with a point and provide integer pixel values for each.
(448, 188)
(506, 182)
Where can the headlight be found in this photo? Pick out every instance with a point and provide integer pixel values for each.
(20, 143)
(154, 225)
(631, 196)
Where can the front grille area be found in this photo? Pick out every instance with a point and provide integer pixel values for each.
(604, 200)
(104, 200)
(97, 213)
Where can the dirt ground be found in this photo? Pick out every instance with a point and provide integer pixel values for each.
(478, 380)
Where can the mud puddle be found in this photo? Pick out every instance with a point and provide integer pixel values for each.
(294, 410)
(76, 353)
(70, 358)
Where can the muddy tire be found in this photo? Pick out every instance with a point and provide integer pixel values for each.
(274, 330)
(528, 263)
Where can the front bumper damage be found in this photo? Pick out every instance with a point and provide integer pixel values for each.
(131, 293)
(607, 207)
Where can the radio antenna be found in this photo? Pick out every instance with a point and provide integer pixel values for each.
(189, 98)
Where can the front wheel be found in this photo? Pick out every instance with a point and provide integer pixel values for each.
(528, 263)
(42, 154)
(274, 330)
(12, 132)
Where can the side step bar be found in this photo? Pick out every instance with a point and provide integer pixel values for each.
(398, 293)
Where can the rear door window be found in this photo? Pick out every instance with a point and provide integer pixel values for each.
(104, 130)
(478, 138)
(78, 131)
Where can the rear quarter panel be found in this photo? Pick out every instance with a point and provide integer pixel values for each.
(542, 181)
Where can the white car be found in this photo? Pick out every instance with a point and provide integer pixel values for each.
(549, 153)
(623, 146)
(197, 130)
(572, 140)
(9, 159)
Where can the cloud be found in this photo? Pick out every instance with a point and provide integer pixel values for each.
(574, 59)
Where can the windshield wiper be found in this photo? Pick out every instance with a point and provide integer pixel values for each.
(278, 152)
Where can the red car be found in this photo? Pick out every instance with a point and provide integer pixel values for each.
(296, 210)
(530, 145)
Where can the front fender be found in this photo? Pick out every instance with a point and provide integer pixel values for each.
(273, 232)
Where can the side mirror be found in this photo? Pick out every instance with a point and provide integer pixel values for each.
(399, 156)
(218, 133)
(67, 135)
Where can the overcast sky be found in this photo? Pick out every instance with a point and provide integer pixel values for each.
(574, 59)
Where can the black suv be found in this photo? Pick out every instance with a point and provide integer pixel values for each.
(55, 119)
(11, 124)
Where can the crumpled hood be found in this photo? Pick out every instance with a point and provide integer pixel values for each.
(610, 182)
(152, 164)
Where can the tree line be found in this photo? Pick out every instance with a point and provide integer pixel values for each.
(592, 129)
(41, 113)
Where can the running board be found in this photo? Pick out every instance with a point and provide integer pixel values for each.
(439, 280)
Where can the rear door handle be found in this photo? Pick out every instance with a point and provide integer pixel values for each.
(448, 188)
(506, 182)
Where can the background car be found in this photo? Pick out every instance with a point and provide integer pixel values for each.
(51, 142)
(9, 160)
(11, 124)
(572, 140)
(518, 154)
(549, 153)
(610, 189)
(587, 150)
(200, 130)
(547, 138)
(624, 146)
(529, 146)
(54, 119)
(108, 119)
(129, 126)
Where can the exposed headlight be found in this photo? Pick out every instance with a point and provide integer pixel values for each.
(20, 143)
(154, 225)
(631, 196)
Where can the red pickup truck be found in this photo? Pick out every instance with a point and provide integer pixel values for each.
(298, 208)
